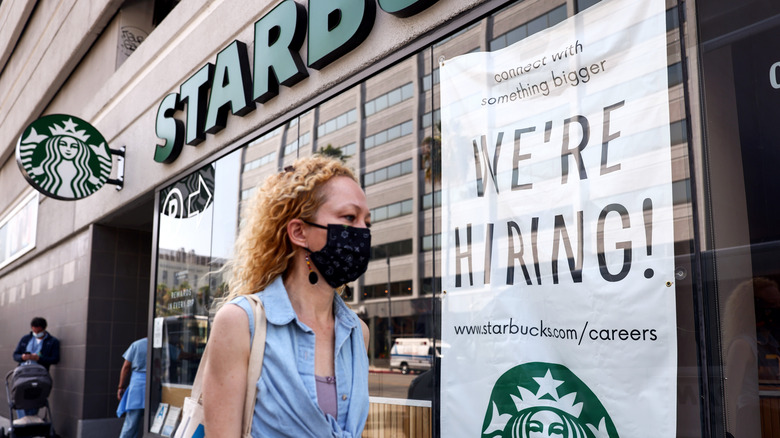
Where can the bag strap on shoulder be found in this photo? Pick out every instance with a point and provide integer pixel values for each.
(255, 368)
(255, 362)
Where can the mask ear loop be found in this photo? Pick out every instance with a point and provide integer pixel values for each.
(313, 277)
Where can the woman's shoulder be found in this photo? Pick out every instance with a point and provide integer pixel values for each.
(230, 320)
(229, 314)
(242, 305)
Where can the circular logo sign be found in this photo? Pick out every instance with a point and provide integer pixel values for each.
(540, 399)
(63, 157)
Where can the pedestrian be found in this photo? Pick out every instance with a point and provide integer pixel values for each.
(37, 346)
(305, 236)
(132, 389)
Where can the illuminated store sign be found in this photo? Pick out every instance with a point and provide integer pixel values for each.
(66, 158)
(335, 27)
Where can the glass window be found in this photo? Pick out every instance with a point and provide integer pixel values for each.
(406, 128)
(672, 19)
(394, 97)
(197, 226)
(385, 173)
(18, 228)
(393, 210)
(430, 200)
(741, 104)
(430, 242)
(399, 295)
(407, 91)
(406, 207)
(394, 171)
(381, 137)
(381, 174)
(379, 214)
(393, 132)
(515, 35)
(350, 149)
(584, 4)
(675, 74)
(336, 123)
(381, 103)
(430, 118)
(538, 24)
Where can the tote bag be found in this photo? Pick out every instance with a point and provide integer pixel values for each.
(191, 425)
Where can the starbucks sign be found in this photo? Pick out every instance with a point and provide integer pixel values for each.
(545, 399)
(64, 157)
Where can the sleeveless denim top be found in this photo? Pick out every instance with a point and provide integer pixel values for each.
(287, 390)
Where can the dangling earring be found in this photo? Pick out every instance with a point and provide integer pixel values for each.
(313, 278)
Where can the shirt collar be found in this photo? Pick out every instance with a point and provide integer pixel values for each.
(279, 310)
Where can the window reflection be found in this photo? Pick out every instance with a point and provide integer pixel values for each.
(744, 249)
(197, 225)
(388, 130)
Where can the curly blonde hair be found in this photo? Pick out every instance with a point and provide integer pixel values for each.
(263, 249)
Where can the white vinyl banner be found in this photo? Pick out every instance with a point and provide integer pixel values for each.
(558, 304)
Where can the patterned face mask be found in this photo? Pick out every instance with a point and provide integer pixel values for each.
(345, 255)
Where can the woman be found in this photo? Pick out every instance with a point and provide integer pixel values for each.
(132, 387)
(306, 234)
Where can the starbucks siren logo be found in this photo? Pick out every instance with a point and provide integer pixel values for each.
(64, 157)
(545, 400)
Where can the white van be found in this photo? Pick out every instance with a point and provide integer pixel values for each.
(413, 354)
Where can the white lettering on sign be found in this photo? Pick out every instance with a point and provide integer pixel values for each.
(773, 75)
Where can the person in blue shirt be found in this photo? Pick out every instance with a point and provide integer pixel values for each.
(304, 237)
(37, 346)
(132, 389)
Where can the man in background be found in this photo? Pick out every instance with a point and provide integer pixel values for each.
(37, 346)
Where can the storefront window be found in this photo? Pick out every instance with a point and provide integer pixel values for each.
(197, 224)
(741, 96)
(387, 128)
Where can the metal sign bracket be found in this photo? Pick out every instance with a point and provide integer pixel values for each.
(119, 181)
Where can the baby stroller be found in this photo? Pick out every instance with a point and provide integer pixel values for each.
(28, 387)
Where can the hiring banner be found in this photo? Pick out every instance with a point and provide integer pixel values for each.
(558, 303)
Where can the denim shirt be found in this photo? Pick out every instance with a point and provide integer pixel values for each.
(287, 391)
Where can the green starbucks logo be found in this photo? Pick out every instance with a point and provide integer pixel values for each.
(540, 399)
(64, 157)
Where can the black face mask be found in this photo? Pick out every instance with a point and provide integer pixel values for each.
(345, 255)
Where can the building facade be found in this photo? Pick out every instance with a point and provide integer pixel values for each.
(192, 91)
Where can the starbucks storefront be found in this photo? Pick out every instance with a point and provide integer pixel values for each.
(573, 225)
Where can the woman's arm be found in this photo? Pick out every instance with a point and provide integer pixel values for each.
(224, 380)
